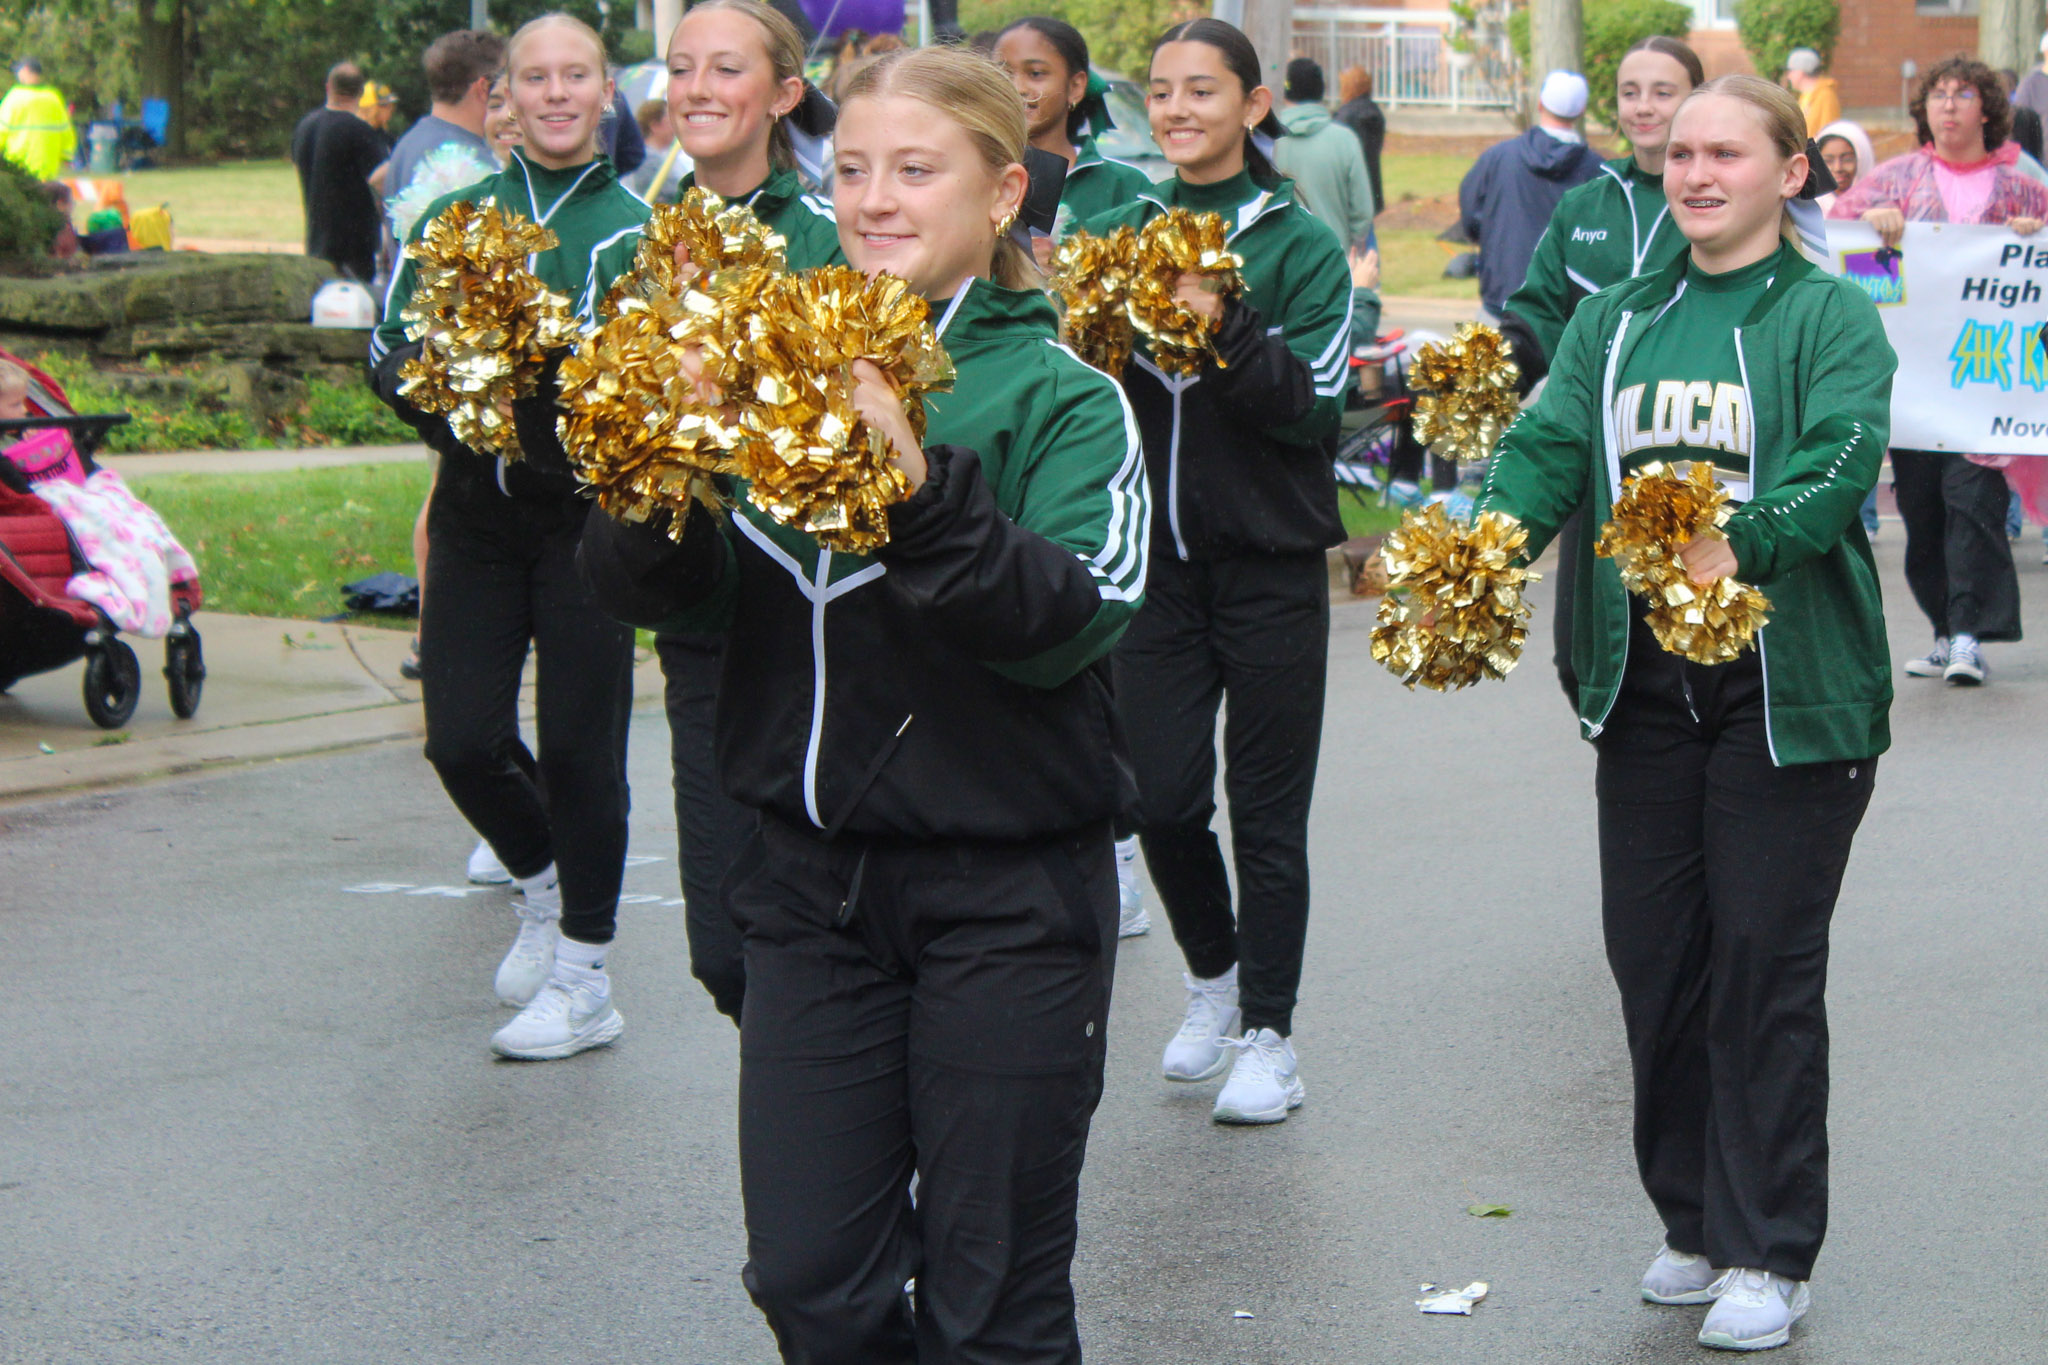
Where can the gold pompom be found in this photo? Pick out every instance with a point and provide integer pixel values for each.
(1091, 278)
(1453, 612)
(1467, 388)
(1177, 243)
(487, 322)
(1657, 512)
(636, 433)
(716, 237)
(809, 460)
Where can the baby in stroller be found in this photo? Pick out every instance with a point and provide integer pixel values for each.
(133, 557)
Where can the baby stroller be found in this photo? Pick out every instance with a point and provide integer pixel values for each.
(42, 627)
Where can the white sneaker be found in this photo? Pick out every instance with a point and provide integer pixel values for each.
(1265, 1080)
(572, 1013)
(1199, 1052)
(1679, 1277)
(484, 867)
(1933, 663)
(531, 958)
(1754, 1310)
(1131, 918)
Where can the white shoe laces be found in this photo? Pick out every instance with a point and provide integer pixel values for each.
(1743, 1287)
(1206, 1009)
(1257, 1055)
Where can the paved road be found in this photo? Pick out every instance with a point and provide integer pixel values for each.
(247, 1114)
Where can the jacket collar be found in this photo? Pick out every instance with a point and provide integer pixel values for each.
(545, 191)
(770, 196)
(1240, 200)
(985, 311)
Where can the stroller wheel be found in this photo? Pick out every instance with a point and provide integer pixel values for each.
(113, 684)
(185, 671)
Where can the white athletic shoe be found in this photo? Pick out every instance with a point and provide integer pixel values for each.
(1679, 1277)
(1265, 1080)
(531, 959)
(484, 867)
(572, 1013)
(1199, 1052)
(1754, 1310)
(1131, 917)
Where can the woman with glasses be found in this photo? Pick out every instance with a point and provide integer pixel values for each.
(1958, 561)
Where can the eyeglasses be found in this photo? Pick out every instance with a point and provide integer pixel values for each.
(1964, 96)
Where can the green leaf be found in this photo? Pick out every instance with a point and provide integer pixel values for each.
(1488, 1210)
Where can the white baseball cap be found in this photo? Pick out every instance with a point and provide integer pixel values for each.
(1563, 94)
(1804, 60)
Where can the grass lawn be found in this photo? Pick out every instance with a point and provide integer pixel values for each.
(1421, 185)
(254, 201)
(283, 544)
(1370, 520)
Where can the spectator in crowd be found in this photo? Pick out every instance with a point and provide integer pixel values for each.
(378, 104)
(621, 140)
(1357, 110)
(1507, 197)
(501, 129)
(1845, 149)
(1819, 97)
(2026, 126)
(35, 127)
(336, 152)
(659, 176)
(2033, 87)
(65, 244)
(1324, 160)
(460, 67)
(1958, 562)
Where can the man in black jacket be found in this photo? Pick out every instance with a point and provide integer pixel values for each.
(1507, 197)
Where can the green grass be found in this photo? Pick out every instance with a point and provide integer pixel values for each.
(1412, 263)
(254, 201)
(1421, 174)
(1370, 520)
(283, 544)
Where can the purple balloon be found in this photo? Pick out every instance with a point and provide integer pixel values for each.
(834, 17)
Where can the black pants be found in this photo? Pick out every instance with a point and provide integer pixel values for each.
(1257, 629)
(1958, 561)
(502, 573)
(931, 1008)
(1718, 875)
(711, 827)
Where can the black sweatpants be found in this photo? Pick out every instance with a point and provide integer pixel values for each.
(1718, 876)
(1254, 628)
(1958, 561)
(711, 827)
(501, 573)
(937, 1009)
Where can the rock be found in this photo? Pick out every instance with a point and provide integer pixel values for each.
(294, 346)
(189, 287)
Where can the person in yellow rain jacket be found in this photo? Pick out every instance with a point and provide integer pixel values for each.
(35, 127)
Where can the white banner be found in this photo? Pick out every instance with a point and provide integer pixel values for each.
(1964, 307)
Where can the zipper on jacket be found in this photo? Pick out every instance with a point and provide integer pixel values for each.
(1613, 457)
(1638, 245)
(1180, 547)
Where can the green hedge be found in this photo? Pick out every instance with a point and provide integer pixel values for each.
(1772, 28)
(27, 222)
(1611, 28)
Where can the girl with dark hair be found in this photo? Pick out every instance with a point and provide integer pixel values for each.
(1358, 111)
(1958, 560)
(501, 577)
(735, 85)
(1239, 457)
(1064, 109)
(928, 736)
(1729, 794)
(1614, 227)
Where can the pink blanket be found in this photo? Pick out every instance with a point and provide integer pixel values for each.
(134, 556)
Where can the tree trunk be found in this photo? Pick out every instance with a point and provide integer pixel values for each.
(1557, 42)
(2000, 24)
(160, 62)
(1270, 26)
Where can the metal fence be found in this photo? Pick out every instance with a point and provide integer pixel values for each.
(1410, 56)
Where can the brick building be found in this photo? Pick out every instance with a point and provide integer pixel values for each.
(1877, 37)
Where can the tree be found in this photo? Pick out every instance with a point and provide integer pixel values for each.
(1611, 28)
(1770, 29)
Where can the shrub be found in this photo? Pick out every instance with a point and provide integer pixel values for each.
(27, 222)
(348, 415)
(1612, 28)
(1772, 28)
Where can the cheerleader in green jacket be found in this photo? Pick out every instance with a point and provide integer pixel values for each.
(1612, 228)
(1239, 458)
(735, 89)
(928, 734)
(1064, 109)
(501, 574)
(1728, 794)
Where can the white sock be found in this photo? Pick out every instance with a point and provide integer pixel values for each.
(1963, 640)
(543, 880)
(585, 958)
(1126, 852)
(1229, 978)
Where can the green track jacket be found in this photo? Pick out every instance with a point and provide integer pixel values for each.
(953, 685)
(1612, 228)
(804, 220)
(1818, 372)
(1096, 184)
